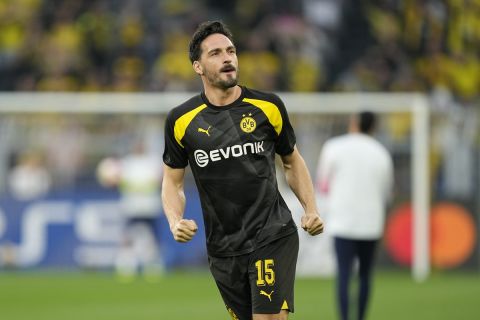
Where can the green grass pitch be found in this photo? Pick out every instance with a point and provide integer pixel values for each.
(193, 295)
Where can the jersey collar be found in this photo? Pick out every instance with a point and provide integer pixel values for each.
(225, 107)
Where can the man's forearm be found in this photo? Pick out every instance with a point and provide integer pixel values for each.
(173, 195)
(173, 205)
(299, 180)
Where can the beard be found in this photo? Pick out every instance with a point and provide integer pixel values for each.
(215, 78)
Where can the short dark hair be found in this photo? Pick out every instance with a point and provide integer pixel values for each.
(203, 31)
(367, 121)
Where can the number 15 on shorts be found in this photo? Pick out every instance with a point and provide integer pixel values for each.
(265, 273)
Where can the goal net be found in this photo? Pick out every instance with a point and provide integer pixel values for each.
(68, 134)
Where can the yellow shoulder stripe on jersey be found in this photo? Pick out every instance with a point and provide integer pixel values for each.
(182, 123)
(271, 111)
(285, 305)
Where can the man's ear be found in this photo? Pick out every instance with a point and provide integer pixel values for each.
(197, 67)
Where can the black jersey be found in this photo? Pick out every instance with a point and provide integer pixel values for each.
(231, 150)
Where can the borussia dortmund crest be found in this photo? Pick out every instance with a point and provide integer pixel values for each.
(248, 124)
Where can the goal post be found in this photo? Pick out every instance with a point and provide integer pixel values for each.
(417, 105)
(297, 104)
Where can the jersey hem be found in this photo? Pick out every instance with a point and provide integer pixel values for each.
(259, 245)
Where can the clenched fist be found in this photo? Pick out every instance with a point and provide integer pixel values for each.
(312, 223)
(184, 230)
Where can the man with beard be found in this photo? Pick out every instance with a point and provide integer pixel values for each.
(229, 134)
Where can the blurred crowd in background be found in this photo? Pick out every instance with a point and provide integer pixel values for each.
(430, 46)
(299, 46)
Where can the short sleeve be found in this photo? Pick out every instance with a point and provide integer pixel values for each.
(174, 154)
(285, 143)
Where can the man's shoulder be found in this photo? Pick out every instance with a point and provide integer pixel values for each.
(375, 143)
(261, 95)
(340, 144)
(337, 140)
(187, 106)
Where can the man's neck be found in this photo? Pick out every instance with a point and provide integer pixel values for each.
(220, 97)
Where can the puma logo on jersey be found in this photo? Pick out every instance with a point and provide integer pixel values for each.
(206, 131)
(268, 295)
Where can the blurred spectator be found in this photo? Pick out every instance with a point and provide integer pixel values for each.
(356, 173)
(29, 179)
(65, 144)
(260, 66)
(172, 70)
(138, 178)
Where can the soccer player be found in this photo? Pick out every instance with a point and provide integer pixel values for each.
(356, 172)
(140, 175)
(229, 135)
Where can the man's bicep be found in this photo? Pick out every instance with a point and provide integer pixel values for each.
(173, 177)
(290, 158)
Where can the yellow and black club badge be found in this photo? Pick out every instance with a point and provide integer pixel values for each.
(248, 124)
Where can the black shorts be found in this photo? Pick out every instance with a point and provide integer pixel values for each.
(261, 282)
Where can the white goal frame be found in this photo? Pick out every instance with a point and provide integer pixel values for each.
(298, 103)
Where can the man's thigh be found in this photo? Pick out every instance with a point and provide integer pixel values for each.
(231, 277)
(283, 315)
(261, 283)
(272, 276)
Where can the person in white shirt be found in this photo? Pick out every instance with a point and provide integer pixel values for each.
(139, 185)
(356, 173)
(138, 177)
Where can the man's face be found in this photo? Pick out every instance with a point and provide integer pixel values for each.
(218, 61)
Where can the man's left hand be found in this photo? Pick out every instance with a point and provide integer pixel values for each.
(312, 223)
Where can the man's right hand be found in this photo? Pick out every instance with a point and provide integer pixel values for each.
(184, 230)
